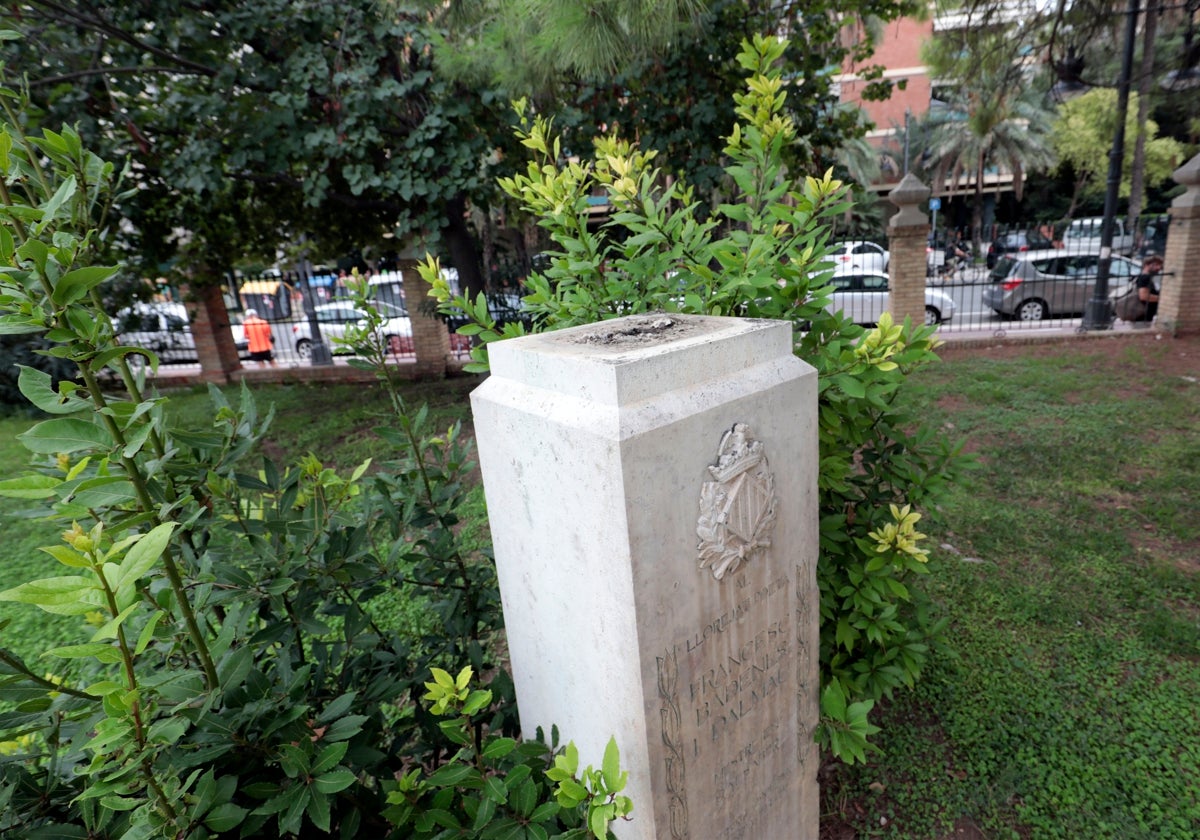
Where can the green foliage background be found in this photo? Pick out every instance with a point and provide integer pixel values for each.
(255, 633)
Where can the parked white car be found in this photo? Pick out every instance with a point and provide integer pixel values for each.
(859, 253)
(1082, 236)
(863, 296)
(164, 329)
(335, 319)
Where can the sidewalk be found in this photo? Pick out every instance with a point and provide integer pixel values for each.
(1057, 332)
(188, 375)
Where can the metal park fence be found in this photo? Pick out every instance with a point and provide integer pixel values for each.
(1039, 277)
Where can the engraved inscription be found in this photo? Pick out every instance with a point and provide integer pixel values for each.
(730, 779)
(756, 808)
(737, 508)
(806, 695)
(725, 694)
(737, 680)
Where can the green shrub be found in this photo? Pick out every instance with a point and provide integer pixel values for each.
(240, 680)
(17, 351)
(761, 255)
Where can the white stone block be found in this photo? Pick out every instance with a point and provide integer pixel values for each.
(626, 465)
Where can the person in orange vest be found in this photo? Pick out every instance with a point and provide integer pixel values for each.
(258, 336)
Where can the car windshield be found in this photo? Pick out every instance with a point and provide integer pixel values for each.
(390, 310)
(1004, 267)
(1122, 268)
(1085, 228)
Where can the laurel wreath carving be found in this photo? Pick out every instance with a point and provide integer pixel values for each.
(672, 736)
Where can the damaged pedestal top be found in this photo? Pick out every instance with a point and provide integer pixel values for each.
(626, 359)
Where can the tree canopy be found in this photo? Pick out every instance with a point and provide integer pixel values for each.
(674, 93)
(995, 116)
(281, 118)
(1082, 136)
(535, 46)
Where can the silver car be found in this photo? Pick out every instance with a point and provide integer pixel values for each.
(1053, 283)
(859, 253)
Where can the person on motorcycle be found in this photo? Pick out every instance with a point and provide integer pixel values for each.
(956, 256)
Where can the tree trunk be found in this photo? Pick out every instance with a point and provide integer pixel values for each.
(1137, 181)
(1076, 192)
(463, 252)
(977, 211)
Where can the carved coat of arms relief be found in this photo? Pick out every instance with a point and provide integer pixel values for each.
(737, 507)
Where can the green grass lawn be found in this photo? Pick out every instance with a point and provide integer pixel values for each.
(1064, 702)
(28, 629)
(1069, 564)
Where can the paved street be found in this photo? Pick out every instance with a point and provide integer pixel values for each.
(972, 316)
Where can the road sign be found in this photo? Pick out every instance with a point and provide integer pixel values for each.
(935, 204)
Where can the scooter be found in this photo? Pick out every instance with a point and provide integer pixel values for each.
(952, 268)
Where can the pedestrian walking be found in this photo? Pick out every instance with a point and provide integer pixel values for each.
(258, 336)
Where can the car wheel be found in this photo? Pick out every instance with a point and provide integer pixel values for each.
(933, 316)
(1032, 310)
(304, 349)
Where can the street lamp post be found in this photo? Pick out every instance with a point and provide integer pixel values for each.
(907, 118)
(1098, 313)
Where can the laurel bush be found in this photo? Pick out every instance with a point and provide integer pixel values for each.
(762, 254)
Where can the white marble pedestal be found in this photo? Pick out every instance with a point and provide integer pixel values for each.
(651, 487)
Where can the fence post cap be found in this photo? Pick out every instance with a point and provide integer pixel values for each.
(909, 195)
(1189, 173)
(1189, 176)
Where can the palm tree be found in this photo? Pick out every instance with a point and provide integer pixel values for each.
(860, 163)
(999, 123)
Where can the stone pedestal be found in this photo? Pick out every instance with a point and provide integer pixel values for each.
(651, 487)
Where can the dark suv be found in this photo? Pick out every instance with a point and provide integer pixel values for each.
(1017, 240)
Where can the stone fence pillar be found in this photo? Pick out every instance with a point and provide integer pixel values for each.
(210, 330)
(431, 340)
(908, 235)
(1179, 304)
(652, 488)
